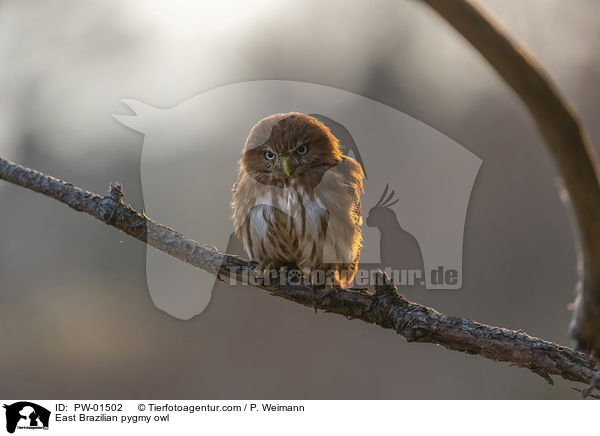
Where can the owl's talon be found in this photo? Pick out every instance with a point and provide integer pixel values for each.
(325, 293)
(359, 290)
(253, 265)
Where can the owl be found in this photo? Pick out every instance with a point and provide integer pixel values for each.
(296, 201)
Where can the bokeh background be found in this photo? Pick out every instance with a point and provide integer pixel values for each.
(76, 320)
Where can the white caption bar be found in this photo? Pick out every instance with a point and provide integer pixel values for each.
(24, 417)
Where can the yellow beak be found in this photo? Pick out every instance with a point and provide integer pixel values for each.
(284, 162)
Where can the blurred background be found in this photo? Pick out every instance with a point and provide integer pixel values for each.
(76, 320)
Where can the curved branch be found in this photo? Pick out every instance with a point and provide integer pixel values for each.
(566, 139)
(384, 307)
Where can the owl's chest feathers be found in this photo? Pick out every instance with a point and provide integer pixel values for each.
(286, 224)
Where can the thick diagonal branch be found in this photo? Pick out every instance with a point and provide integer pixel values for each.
(566, 140)
(384, 306)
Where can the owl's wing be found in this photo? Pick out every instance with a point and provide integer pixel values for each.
(352, 174)
(340, 191)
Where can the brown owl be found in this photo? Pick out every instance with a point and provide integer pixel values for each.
(296, 201)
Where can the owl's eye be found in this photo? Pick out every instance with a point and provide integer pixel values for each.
(269, 155)
(303, 149)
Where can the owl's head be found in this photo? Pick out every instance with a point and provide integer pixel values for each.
(289, 147)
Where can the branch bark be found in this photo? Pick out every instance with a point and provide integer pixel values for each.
(568, 144)
(384, 307)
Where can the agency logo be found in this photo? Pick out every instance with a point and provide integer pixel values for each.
(25, 415)
(417, 182)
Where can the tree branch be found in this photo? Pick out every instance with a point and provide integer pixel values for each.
(567, 141)
(384, 307)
